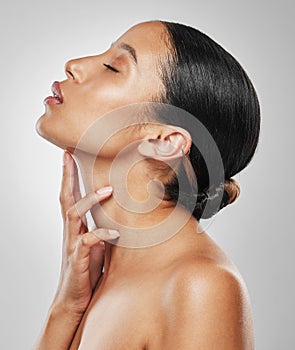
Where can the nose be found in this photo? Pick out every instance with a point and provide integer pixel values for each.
(73, 70)
(77, 69)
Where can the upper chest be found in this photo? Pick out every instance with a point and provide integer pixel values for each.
(122, 317)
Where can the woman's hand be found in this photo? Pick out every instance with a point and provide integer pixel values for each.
(82, 262)
(83, 251)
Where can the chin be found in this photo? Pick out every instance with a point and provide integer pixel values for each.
(49, 133)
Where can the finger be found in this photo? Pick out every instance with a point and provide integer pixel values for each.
(106, 234)
(97, 253)
(76, 184)
(76, 190)
(66, 194)
(79, 209)
(90, 239)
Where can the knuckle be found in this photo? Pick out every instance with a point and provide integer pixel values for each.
(72, 214)
(65, 196)
(84, 241)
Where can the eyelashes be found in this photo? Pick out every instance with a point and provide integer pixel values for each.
(111, 68)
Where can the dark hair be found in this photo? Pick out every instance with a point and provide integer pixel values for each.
(205, 80)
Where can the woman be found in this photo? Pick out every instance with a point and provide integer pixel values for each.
(178, 290)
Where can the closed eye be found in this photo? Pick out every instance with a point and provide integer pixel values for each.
(111, 68)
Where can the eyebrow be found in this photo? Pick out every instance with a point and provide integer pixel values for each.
(129, 49)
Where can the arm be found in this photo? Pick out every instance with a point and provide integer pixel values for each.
(210, 312)
(82, 262)
(59, 329)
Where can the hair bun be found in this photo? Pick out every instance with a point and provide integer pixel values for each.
(233, 190)
(209, 202)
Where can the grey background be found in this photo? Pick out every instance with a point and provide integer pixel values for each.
(37, 38)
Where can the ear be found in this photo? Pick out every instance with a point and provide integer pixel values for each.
(170, 144)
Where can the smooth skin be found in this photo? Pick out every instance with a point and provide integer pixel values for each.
(183, 293)
(82, 261)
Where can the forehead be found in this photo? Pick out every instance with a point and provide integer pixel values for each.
(148, 38)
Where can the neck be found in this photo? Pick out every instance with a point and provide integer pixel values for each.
(151, 229)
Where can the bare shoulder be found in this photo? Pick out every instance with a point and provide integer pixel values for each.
(202, 274)
(207, 307)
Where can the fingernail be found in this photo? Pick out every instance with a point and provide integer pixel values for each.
(114, 233)
(105, 190)
(66, 157)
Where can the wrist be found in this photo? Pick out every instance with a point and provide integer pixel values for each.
(59, 329)
(61, 310)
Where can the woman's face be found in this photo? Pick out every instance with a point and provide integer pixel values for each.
(127, 73)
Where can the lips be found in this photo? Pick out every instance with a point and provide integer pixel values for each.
(57, 97)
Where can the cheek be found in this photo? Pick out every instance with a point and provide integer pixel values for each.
(109, 135)
(100, 101)
(123, 142)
